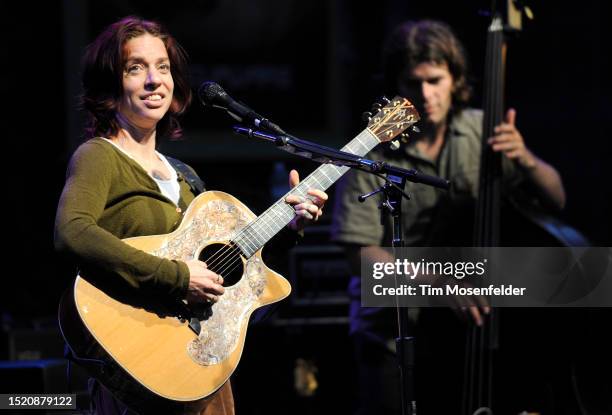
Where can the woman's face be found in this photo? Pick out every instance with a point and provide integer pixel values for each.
(147, 82)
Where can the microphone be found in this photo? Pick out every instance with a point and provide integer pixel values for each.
(212, 94)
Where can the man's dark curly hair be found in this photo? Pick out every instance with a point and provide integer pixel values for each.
(415, 42)
(103, 67)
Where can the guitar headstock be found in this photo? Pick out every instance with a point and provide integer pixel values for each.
(392, 119)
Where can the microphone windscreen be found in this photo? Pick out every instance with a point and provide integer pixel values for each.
(209, 91)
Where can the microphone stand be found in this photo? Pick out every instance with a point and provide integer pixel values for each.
(393, 191)
(391, 204)
(328, 155)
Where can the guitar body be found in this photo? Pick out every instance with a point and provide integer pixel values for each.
(162, 353)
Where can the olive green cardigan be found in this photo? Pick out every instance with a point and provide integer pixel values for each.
(107, 197)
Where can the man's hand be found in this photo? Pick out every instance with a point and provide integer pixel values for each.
(306, 210)
(509, 140)
(473, 309)
(470, 308)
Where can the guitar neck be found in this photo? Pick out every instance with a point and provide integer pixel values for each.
(256, 234)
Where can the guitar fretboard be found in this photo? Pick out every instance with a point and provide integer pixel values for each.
(256, 234)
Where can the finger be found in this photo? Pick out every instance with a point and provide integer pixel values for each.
(294, 199)
(198, 295)
(304, 214)
(212, 298)
(505, 146)
(294, 178)
(211, 287)
(511, 116)
(483, 303)
(210, 276)
(476, 315)
(503, 137)
(218, 289)
(319, 213)
(320, 197)
(504, 128)
(308, 207)
(303, 204)
(514, 154)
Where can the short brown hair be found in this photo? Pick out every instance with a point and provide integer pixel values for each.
(415, 42)
(103, 65)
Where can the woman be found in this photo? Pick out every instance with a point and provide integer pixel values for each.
(119, 186)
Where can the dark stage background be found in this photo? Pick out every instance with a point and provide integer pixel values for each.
(312, 67)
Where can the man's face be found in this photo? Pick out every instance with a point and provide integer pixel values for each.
(429, 86)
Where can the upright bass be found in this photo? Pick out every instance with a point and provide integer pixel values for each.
(505, 220)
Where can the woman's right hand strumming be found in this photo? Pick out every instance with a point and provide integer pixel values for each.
(204, 285)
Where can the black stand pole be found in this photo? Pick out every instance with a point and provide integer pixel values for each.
(404, 345)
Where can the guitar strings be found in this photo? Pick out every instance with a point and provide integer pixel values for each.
(301, 188)
(230, 262)
(223, 252)
(243, 234)
(225, 260)
(234, 262)
(226, 256)
(230, 266)
(251, 229)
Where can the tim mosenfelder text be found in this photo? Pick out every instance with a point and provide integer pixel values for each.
(458, 270)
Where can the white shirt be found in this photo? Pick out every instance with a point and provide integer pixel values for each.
(169, 188)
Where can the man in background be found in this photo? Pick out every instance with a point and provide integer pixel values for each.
(425, 62)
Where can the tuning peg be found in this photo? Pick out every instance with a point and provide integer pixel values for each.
(376, 107)
(415, 129)
(521, 6)
(404, 137)
(386, 100)
(366, 116)
(394, 145)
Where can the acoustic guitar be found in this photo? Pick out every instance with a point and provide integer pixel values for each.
(177, 352)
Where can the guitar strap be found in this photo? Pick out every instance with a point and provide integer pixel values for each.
(184, 171)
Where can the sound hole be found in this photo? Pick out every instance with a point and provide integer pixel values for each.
(225, 260)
